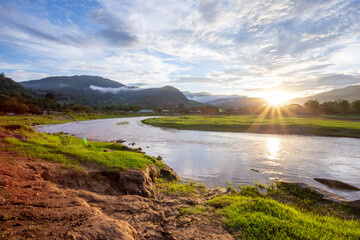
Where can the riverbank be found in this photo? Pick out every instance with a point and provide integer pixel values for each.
(107, 191)
(318, 126)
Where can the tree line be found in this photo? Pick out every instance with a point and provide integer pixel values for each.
(338, 107)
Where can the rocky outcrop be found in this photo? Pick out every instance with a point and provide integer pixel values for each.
(42, 200)
(320, 193)
(102, 227)
(137, 182)
(168, 174)
(336, 184)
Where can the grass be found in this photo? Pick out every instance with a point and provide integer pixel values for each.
(284, 211)
(69, 150)
(278, 211)
(33, 120)
(177, 188)
(264, 218)
(321, 125)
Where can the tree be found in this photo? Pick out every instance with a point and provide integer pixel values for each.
(312, 106)
(355, 106)
(34, 109)
(296, 108)
(15, 106)
(50, 96)
(181, 106)
(329, 108)
(343, 106)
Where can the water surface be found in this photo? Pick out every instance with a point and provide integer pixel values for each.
(215, 158)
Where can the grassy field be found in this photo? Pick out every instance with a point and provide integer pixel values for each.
(32, 120)
(69, 150)
(321, 126)
(281, 212)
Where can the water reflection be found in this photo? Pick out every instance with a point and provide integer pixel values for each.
(217, 157)
(273, 147)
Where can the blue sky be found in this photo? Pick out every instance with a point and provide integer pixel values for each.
(240, 47)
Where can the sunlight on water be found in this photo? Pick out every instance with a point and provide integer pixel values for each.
(215, 158)
(273, 147)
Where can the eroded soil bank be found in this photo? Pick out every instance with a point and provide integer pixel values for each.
(42, 200)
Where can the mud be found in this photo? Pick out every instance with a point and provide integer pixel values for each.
(43, 200)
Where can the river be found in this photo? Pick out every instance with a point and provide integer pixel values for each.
(215, 158)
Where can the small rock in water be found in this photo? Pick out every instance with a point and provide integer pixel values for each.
(255, 170)
(132, 144)
(159, 158)
(336, 184)
(120, 141)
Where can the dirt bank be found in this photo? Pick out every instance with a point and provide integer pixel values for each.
(43, 200)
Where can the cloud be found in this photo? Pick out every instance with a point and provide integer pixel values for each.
(208, 9)
(228, 45)
(312, 84)
(21, 75)
(112, 90)
(114, 31)
(194, 80)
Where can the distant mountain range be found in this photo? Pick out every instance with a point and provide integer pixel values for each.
(98, 91)
(225, 101)
(350, 93)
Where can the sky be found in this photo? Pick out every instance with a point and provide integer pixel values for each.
(243, 47)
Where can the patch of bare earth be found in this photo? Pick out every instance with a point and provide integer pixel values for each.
(43, 200)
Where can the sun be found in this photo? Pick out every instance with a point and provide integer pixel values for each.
(277, 97)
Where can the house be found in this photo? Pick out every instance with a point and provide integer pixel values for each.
(146, 111)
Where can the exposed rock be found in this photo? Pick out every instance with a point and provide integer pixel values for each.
(320, 192)
(63, 203)
(168, 173)
(255, 170)
(103, 227)
(137, 182)
(336, 184)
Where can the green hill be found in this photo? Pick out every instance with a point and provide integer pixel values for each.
(350, 93)
(98, 91)
(10, 88)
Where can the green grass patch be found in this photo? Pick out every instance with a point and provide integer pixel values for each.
(122, 123)
(265, 218)
(69, 150)
(72, 151)
(33, 120)
(322, 125)
(177, 188)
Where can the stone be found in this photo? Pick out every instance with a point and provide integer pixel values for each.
(336, 184)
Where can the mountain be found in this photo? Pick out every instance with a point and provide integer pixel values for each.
(350, 93)
(208, 98)
(10, 88)
(226, 101)
(239, 102)
(98, 91)
(74, 82)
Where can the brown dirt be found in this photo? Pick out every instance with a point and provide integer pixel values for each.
(43, 200)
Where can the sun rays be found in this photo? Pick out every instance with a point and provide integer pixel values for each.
(271, 116)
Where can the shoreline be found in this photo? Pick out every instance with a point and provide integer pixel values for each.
(121, 202)
(249, 124)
